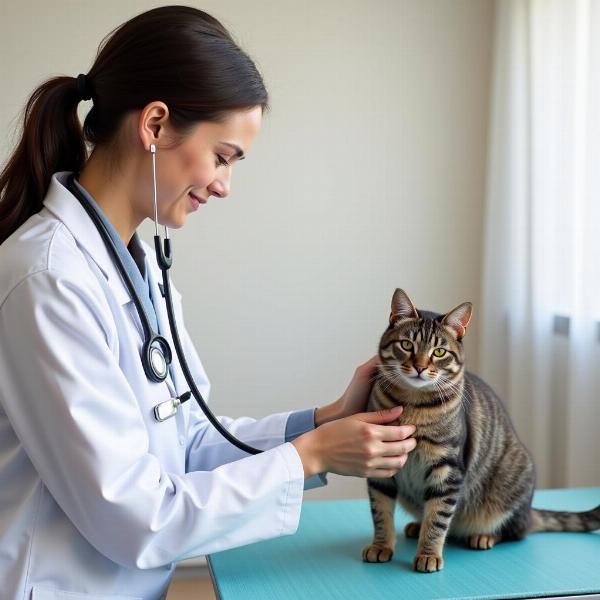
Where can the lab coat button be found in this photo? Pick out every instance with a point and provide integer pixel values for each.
(182, 440)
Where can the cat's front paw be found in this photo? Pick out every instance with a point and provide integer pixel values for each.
(374, 553)
(428, 563)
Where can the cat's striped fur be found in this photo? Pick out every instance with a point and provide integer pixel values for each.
(469, 476)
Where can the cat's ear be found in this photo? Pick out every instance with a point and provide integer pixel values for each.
(402, 307)
(458, 319)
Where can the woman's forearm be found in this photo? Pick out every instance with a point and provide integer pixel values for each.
(329, 412)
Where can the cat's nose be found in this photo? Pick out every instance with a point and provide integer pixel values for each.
(421, 363)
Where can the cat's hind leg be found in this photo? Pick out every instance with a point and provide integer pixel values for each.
(482, 541)
(382, 496)
(500, 526)
(412, 530)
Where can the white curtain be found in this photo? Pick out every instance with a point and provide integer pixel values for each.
(541, 282)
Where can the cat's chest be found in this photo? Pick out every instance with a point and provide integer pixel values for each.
(410, 480)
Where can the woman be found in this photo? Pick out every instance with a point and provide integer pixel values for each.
(98, 498)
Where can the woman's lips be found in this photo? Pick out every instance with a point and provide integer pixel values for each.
(196, 200)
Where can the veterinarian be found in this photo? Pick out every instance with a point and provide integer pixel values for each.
(110, 468)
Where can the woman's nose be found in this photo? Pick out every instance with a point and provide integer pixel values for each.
(220, 186)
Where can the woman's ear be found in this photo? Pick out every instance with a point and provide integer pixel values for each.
(152, 124)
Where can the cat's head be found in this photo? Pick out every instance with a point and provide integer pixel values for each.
(421, 349)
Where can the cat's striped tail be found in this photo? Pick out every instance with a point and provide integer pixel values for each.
(556, 520)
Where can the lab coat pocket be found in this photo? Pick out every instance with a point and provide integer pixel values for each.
(41, 593)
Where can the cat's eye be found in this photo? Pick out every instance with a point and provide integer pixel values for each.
(439, 352)
(406, 345)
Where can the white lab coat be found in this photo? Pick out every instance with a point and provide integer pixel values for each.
(97, 499)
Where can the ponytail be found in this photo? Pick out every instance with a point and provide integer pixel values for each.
(52, 140)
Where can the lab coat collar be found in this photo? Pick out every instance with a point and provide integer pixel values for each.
(65, 206)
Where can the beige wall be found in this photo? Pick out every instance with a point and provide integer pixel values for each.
(368, 175)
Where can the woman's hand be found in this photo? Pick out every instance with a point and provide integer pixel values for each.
(362, 445)
(354, 399)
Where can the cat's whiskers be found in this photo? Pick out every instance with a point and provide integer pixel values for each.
(379, 372)
(383, 377)
(389, 377)
(392, 380)
(457, 388)
(442, 395)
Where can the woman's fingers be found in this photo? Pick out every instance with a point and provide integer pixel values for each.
(392, 433)
(387, 468)
(382, 473)
(398, 448)
(391, 462)
(369, 366)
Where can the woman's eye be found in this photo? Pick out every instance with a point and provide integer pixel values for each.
(439, 352)
(222, 161)
(406, 345)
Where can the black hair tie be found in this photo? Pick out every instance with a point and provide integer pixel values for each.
(83, 87)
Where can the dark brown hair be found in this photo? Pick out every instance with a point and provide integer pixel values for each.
(177, 54)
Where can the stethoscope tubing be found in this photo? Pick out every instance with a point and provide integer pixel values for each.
(164, 258)
(182, 360)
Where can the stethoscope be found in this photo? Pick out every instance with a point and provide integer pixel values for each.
(156, 353)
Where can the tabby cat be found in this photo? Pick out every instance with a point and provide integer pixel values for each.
(469, 476)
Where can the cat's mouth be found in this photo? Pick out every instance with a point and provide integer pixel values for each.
(419, 380)
(409, 378)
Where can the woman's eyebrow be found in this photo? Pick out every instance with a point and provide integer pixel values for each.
(239, 153)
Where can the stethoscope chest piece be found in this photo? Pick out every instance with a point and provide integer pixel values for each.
(156, 356)
(159, 364)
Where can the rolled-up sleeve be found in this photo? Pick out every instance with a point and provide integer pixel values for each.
(207, 449)
(300, 422)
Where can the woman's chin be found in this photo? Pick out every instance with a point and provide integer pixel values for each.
(176, 222)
